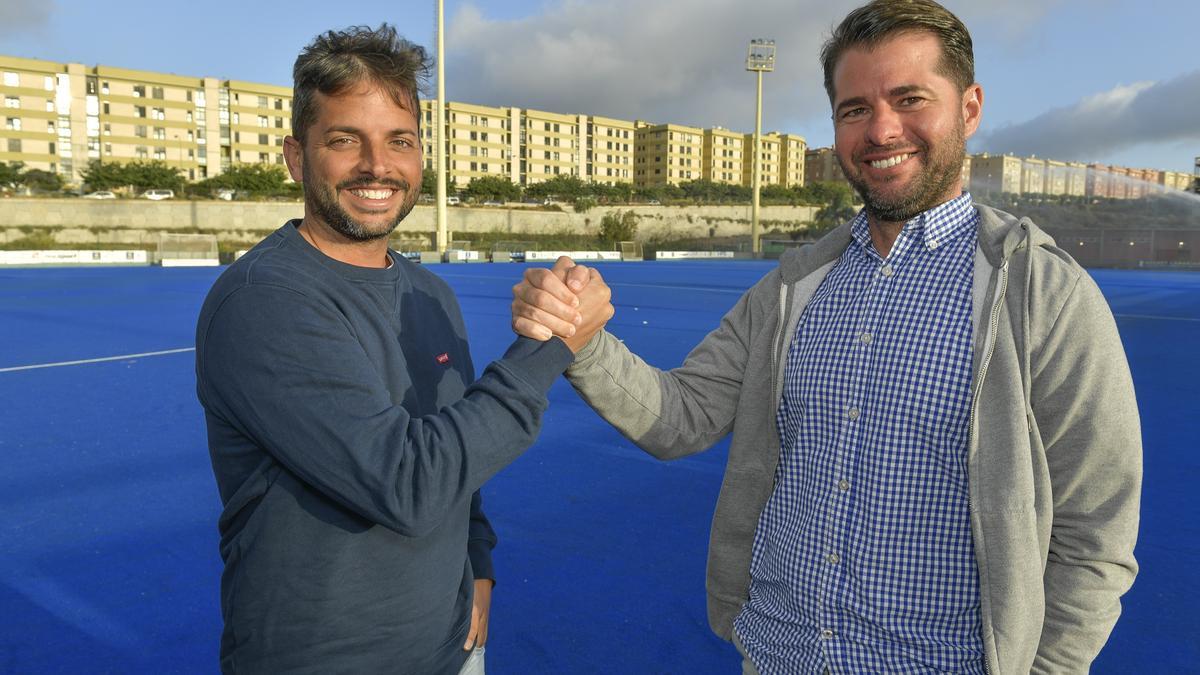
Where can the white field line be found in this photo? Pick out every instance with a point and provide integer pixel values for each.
(734, 291)
(81, 362)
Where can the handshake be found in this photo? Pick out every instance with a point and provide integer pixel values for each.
(567, 300)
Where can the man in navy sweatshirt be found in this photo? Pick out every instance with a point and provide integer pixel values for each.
(348, 433)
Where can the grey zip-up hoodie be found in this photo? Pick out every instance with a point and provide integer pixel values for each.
(1054, 457)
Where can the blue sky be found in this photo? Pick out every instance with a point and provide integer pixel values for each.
(1093, 80)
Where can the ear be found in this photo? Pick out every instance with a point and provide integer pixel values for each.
(293, 154)
(972, 108)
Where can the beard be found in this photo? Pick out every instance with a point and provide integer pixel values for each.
(943, 166)
(321, 199)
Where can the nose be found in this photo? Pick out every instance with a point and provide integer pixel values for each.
(372, 159)
(884, 127)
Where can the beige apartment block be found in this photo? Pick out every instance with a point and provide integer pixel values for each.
(38, 128)
(551, 145)
(723, 156)
(1056, 178)
(1098, 184)
(994, 175)
(1118, 182)
(965, 174)
(791, 168)
(609, 150)
(478, 143)
(668, 154)
(1033, 176)
(260, 117)
(770, 163)
(1076, 179)
(821, 165)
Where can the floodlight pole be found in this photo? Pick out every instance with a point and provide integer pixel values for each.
(439, 144)
(760, 59)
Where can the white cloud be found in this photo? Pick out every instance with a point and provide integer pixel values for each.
(1108, 122)
(19, 16)
(680, 61)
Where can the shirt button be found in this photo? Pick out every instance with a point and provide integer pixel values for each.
(852, 413)
(833, 558)
(865, 338)
(886, 270)
(843, 485)
(933, 243)
(826, 634)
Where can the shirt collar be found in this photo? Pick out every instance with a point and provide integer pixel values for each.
(938, 225)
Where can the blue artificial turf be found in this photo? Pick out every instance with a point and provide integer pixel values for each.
(108, 546)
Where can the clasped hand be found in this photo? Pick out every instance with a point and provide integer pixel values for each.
(568, 300)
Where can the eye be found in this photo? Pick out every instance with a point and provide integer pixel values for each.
(910, 101)
(853, 113)
(402, 143)
(340, 141)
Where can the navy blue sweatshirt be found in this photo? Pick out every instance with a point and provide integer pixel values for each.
(349, 439)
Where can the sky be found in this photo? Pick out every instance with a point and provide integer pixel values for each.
(1113, 81)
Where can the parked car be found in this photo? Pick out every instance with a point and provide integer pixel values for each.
(225, 194)
(493, 202)
(158, 194)
(453, 201)
(100, 194)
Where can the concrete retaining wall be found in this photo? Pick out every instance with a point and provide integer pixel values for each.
(80, 221)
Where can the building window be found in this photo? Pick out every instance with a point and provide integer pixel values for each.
(139, 131)
(160, 153)
(160, 133)
(52, 148)
(103, 87)
(262, 122)
(12, 102)
(11, 79)
(279, 104)
(237, 118)
(106, 110)
(139, 111)
(262, 101)
(14, 145)
(156, 92)
(139, 91)
(107, 129)
(262, 139)
(108, 148)
(12, 123)
(158, 113)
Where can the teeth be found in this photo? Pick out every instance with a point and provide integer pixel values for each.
(372, 194)
(889, 162)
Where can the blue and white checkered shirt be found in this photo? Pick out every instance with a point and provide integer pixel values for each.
(863, 561)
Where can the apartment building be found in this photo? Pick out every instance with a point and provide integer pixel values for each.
(609, 150)
(1098, 183)
(723, 156)
(771, 162)
(1033, 176)
(259, 118)
(821, 165)
(478, 141)
(667, 154)
(793, 149)
(994, 175)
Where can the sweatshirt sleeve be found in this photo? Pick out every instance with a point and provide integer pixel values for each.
(678, 412)
(289, 374)
(481, 539)
(1083, 403)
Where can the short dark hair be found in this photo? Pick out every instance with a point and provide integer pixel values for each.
(337, 60)
(873, 23)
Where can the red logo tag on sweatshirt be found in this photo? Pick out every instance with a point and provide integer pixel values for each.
(443, 358)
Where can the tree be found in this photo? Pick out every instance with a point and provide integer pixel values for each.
(837, 210)
(617, 228)
(257, 179)
(429, 182)
(489, 188)
(42, 181)
(563, 186)
(10, 175)
(104, 175)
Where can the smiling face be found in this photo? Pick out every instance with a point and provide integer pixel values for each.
(360, 163)
(900, 127)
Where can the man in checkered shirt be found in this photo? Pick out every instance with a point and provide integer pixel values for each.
(936, 455)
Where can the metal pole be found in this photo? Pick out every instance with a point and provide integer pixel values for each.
(439, 145)
(754, 243)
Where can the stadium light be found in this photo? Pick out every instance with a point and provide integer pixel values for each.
(760, 58)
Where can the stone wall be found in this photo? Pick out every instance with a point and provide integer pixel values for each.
(82, 221)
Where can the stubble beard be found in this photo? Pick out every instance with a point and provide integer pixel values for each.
(321, 199)
(928, 189)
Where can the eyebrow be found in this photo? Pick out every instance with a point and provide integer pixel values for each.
(355, 130)
(892, 93)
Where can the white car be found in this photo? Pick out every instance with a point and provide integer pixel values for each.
(158, 194)
(453, 201)
(100, 194)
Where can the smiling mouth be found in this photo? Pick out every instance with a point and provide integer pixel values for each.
(889, 162)
(365, 193)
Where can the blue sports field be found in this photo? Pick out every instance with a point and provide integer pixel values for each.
(108, 543)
